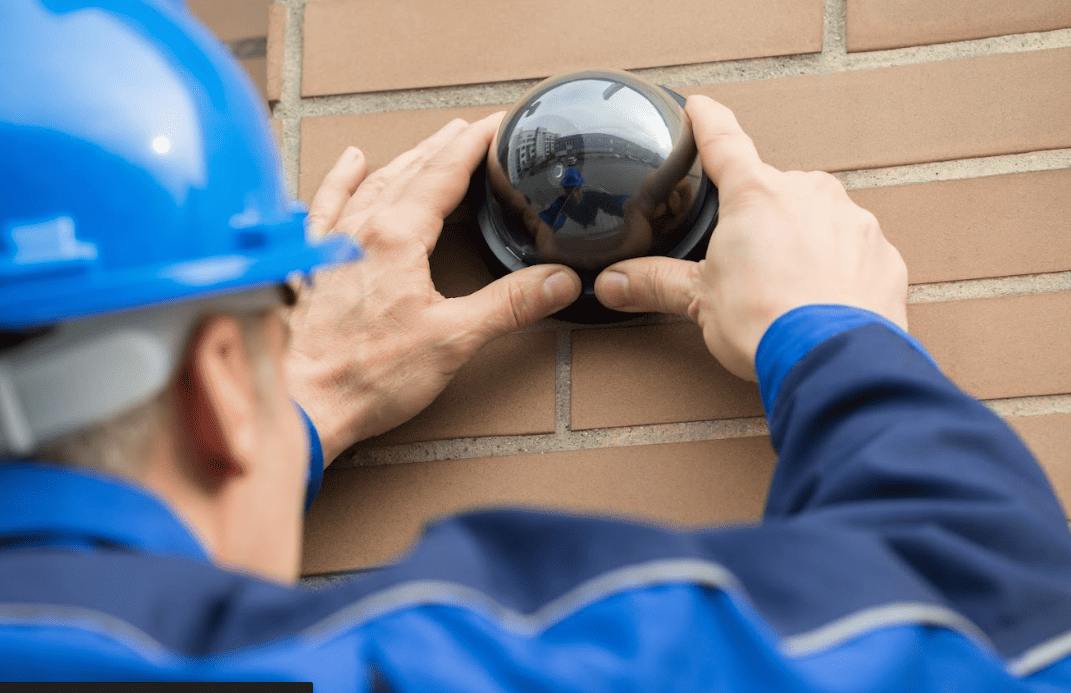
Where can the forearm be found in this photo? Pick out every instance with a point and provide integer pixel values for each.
(867, 416)
(872, 436)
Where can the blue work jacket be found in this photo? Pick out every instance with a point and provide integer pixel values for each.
(910, 543)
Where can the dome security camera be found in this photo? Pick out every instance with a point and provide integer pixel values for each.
(590, 168)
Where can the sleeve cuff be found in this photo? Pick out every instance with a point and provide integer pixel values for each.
(315, 474)
(792, 336)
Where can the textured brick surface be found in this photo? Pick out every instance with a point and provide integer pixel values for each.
(381, 136)
(355, 45)
(981, 227)
(878, 24)
(845, 121)
(232, 20)
(456, 266)
(368, 515)
(1012, 346)
(256, 68)
(277, 18)
(506, 389)
(999, 347)
(654, 374)
(1049, 438)
(943, 103)
(904, 115)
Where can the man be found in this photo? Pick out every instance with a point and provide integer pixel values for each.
(582, 206)
(150, 505)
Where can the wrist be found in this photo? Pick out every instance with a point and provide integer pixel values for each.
(339, 421)
(795, 333)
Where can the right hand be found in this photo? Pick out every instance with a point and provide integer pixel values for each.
(783, 240)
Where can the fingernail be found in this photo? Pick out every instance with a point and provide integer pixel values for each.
(615, 290)
(559, 289)
(352, 153)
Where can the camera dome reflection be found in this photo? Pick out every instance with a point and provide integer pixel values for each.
(594, 167)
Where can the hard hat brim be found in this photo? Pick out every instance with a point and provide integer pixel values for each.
(89, 293)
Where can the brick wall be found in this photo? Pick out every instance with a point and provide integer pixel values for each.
(243, 26)
(949, 119)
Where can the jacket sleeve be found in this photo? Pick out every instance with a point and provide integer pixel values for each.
(872, 436)
(315, 474)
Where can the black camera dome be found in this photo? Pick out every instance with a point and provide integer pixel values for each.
(590, 168)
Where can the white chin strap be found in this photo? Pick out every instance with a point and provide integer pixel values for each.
(88, 371)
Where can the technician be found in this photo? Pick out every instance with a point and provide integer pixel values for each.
(156, 466)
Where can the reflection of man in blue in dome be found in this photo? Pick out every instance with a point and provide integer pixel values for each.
(582, 206)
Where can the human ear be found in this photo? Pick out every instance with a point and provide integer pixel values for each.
(218, 401)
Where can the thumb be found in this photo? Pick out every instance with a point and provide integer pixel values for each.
(660, 284)
(512, 302)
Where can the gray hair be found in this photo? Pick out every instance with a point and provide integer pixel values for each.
(121, 444)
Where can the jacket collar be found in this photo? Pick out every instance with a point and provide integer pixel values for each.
(62, 507)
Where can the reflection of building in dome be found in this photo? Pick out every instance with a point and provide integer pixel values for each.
(597, 144)
(530, 148)
(534, 148)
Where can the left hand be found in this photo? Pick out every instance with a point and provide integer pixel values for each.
(373, 343)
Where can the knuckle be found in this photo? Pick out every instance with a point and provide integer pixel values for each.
(726, 140)
(372, 231)
(378, 231)
(317, 221)
(825, 180)
(695, 310)
(515, 306)
(662, 288)
(377, 180)
(651, 282)
(867, 222)
(900, 265)
(867, 217)
(754, 187)
(448, 169)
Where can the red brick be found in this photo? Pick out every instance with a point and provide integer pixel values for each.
(853, 120)
(982, 227)
(1049, 438)
(381, 136)
(1012, 346)
(256, 68)
(506, 389)
(912, 114)
(456, 266)
(276, 39)
(356, 46)
(879, 24)
(655, 374)
(368, 515)
(233, 19)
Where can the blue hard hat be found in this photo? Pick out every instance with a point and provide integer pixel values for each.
(138, 166)
(572, 178)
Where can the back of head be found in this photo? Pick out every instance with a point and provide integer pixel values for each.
(140, 187)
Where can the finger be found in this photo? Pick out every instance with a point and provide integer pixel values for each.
(383, 182)
(444, 179)
(338, 185)
(509, 304)
(728, 154)
(660, 284)
(429, 148)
